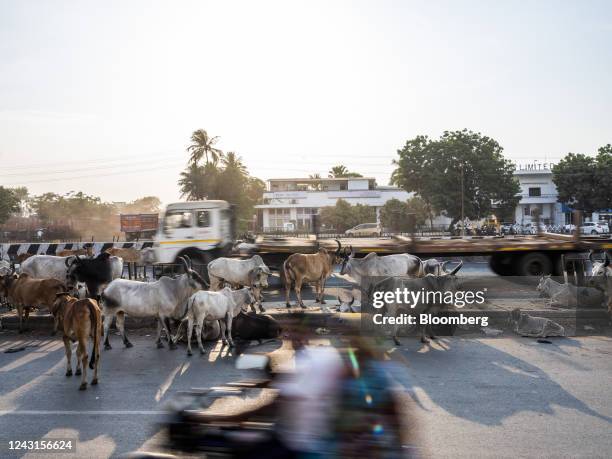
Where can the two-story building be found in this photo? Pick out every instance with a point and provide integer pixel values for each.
(538, 195)
(296, 200)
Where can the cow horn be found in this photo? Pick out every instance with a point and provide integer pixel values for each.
(457, 268)
(591, 256)
(339, 247)
(607, 260)
(184, 262)
(188, 261)
(351, 251)
(352, 301)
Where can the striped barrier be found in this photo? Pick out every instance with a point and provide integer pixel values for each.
(10, 251)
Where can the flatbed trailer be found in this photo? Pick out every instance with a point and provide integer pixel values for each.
(509, 255)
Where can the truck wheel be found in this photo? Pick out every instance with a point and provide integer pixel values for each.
(534, 264)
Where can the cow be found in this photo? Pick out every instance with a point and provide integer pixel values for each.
(433, 287)
(538, 327)
(80, 320)
(95, 273)
(161, 299)
(46, 266)
(251, 326)
(299, 268)
(600, 268)
(222, 305)
(372, 265)
(569, 295)
(25, 292)
(240, 273)
(435, 267)
(85, 251)
(19, 259)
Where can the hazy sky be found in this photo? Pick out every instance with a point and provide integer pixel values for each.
(103, 96)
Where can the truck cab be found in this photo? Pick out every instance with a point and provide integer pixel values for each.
(202, 230)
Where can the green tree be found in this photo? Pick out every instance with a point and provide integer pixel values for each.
(202, 146)
(583, 181)
(145, 205)
(343, 215)
(341, 171)
(9, 204)
(227, 179)
(436, 170)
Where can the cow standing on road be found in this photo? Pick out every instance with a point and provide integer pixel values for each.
(25, 292)
(372, 265)
(240, 273)
(300, 268)
(80, 320)
(163, 299)
(94, 273)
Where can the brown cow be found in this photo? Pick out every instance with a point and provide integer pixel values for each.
(129, 255)
(25, 292)
(23, 257)
(317, 267)
(81, 319)
(87, 251)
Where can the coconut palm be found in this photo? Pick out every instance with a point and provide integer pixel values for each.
(202, 146)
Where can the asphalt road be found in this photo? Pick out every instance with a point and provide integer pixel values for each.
(507, 397)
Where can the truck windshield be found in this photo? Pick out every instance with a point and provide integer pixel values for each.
(178, 219)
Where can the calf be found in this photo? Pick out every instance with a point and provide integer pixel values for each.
(81, 320)
(25, 292)
(209, 306)
(317, 267)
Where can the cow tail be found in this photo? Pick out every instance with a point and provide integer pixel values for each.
(96, 324)
(287, 271)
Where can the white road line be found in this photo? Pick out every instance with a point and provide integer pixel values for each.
(78, 412)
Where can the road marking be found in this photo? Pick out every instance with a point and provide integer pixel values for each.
(86, 412)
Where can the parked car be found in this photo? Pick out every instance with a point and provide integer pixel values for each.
(593, 228)
(365, 229)
(507, 228)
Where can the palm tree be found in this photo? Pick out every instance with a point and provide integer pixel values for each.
(338, 171)
(341, 171)
(234, 162)
(191, 183)
(202, 146)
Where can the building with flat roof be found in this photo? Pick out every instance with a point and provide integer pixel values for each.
(296, 200)
(538, 195)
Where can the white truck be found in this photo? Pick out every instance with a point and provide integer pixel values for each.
(203, 230)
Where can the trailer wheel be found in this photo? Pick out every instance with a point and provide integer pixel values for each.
(502, 265)
(534, 264)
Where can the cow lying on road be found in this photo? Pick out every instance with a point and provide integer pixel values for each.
(81, 320)
(537, 327)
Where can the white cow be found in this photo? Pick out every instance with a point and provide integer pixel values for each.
(372, 265)
(164, 299)
(209, 306)
(239, 273)
(569, 295)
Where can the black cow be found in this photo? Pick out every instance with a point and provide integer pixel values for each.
(252, 326)
(93, 272)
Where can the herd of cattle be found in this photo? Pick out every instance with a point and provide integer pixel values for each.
(85, 293)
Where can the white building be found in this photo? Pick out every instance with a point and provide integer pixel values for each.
(538, 194)
(298, 199)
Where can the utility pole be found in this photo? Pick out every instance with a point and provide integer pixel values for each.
(462, 209)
